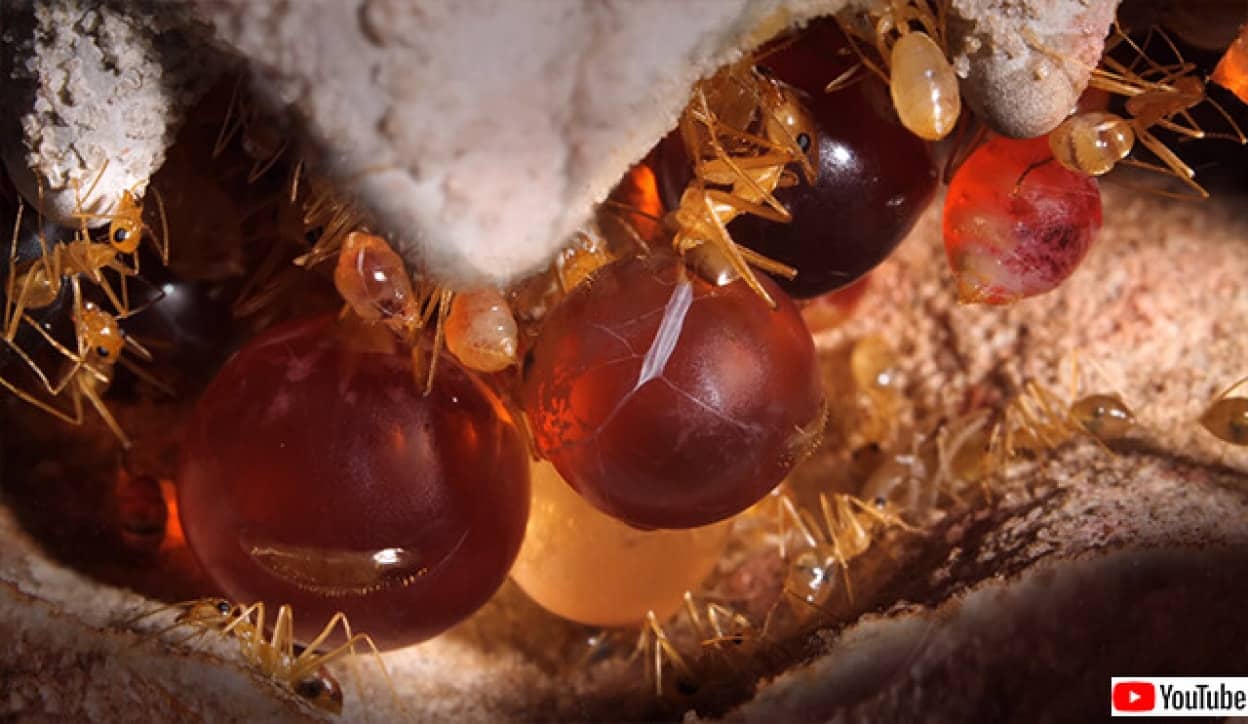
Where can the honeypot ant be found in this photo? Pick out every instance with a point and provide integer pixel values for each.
(843, 531)
(921, 80)
(41, 284)
(874, 368)
(374, 283)
(126, 227)
(716, 626)
(1094, 142)
(100, 344)
(938, 468)
(721, 630)
(1036, 419)
(736, 171)
(657, 652)
(301, 673)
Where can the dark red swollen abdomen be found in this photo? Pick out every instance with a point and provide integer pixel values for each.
(316, 473)
(875, 177)
(668, 402)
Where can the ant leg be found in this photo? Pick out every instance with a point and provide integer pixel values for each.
(714, 129)
(619, 212)
(722, 241)
(716, 171)
(94, 183)
(147, 377)
(730, 626)
(1239, 133)
(162, 245)
(14, 313)
(846, 79)
(241, 624)
(842, 524)
(740, 204)
(121, 304)
(1176, 165)
(655, 638)
(749, 255)
(11, 279)
(264, 285)
(1191, 131)
(443, 302)
(232, 122)
(1224, 393)
(283, 639)
(86, 389)
(885, 517)
(260, 168)
(78, 359)
(30, 399)
(880, 71)
(695, 619)
(845, 532)
(787, 506)
(763, 195)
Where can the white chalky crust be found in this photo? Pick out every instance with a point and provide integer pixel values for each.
(481, 133)
(97, 83)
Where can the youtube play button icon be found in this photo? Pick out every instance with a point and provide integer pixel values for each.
(1132, 696)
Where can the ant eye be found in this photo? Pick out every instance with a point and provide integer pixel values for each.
(102, 351)
(803, 141)
(309, 688)
(120, 235)
(223, 607)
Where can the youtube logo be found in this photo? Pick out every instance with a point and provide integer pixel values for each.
(1134, 696)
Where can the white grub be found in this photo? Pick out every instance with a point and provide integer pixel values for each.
(98, 83)
(1024, 63)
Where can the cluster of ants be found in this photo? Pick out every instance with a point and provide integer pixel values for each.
(912, 56)
(741, 154)
(963, 455)
(99, 341)
(962, 461)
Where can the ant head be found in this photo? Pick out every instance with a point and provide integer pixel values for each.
(126, 228)
(101, 334)
(791, 122)
(205, 610)
(321, 690)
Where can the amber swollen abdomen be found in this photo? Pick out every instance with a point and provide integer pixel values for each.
(316, 472)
